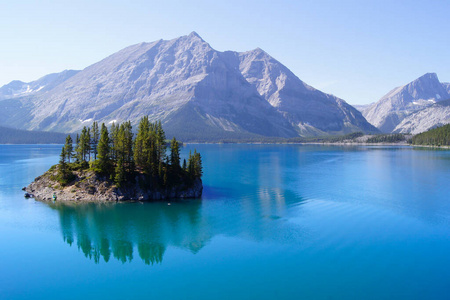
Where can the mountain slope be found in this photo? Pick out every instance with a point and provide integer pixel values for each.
(446, 85)
(430, 117)
(392, 108)
(310, 111)
(17, 136)
(18, 88)
(193, 89)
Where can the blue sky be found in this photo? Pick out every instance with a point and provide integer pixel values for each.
(356, 50)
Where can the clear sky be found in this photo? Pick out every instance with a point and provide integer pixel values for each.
(356, 50)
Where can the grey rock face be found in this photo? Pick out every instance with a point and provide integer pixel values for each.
(446, 85)
(430, 117)
(402, 101)
(310, 111)
(195, 90)
(18, 88)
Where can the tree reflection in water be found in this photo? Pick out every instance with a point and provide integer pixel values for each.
(102, 230)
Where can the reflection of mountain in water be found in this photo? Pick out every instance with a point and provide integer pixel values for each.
(105, 230)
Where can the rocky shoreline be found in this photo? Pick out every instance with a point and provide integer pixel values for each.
(91, 187)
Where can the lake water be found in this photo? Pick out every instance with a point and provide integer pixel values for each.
(274, 222)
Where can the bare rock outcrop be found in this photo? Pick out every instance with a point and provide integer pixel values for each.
(91, 187)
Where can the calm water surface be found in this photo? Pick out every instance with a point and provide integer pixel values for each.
(275, 222)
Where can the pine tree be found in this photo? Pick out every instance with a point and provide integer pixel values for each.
(87, 144)
(198, 168)
(114, 136)
(190, 165)
(78, 149)
(175, 155)
(104, 162)
(95, 137)
(63, 170)
(120, 172)
(83, 144)
(195, 168)
(68, 147)
(128, 146)
(62, 162)
(160, 142)
(141, 145)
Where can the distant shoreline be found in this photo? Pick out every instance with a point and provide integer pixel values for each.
(281, 143)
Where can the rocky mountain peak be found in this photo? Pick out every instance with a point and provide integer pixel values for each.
(194, 35)
(426, 87)
(392, 108)
(197, 92)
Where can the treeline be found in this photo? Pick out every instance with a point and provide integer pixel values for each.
(115, 152)
(387, 138)
(18, 136)
(439, 136)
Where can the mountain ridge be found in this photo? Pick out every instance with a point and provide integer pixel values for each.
(392, 108)
(185, 78)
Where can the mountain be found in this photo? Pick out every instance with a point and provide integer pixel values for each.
(17, 136)
(18, 88)
(310, 111)
(446, 85)
(430, 117)
(362, 107)
(196, 91)
(391, 109)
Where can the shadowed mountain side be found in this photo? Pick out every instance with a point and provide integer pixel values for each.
(17, 136)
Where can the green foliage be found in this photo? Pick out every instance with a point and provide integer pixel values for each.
(387, 138)
(439, 136)
(120, 172)
(195, 168)
(175, 155)
(103, 163)
(64, 175)
(68, 148)
(116, 153)
(326, 139)
(95, 137)
(142, 145)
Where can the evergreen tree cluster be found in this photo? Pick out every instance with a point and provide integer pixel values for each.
(439, 136)
(387, 138)
(117, 153)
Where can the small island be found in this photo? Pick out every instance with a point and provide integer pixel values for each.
(113, 166)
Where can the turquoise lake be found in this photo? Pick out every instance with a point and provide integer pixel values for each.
(274, 222)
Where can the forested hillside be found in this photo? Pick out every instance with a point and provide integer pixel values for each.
(17, 136)
(439, 136)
